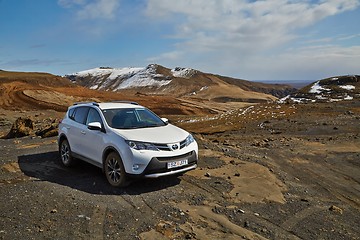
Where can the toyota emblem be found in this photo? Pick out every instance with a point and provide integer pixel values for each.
(174, 147)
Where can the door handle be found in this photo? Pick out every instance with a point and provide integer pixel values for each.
(83, 132)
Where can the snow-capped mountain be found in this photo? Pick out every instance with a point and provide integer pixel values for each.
(156, 79)
(114, 79)
(332, 89)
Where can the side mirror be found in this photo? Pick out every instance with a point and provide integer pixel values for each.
(165, 120)
(94, 126)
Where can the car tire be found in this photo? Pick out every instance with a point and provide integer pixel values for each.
(65, 154)
(115, 171)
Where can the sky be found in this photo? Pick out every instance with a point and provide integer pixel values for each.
(247, 39)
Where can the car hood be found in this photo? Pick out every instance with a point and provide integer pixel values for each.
(164, 134)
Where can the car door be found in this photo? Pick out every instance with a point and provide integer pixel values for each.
(76, 133)
(94, 144)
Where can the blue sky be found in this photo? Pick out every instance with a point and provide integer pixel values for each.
(253, 40)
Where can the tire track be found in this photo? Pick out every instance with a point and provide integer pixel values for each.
(290, 223)
(96, 224)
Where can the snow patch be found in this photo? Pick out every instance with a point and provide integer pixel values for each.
(144, 78)
(183, 72)
(347, 87)
(203, 88)
(98, 72)
(122, 78)
(123, 72)
(348, 98)
(317, 88)
(94, 87)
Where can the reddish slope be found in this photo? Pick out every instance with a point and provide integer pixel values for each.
(37, 91)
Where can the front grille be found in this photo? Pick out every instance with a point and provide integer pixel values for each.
(162, 147)
(165, 147)
(164, 159)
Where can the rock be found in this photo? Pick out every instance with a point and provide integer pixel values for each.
(21, 128)
(232, 162)
(50, 131)
(237, 174)
(336, 209)
(241, 211)
(207, 174)
(4, 122)
(246, 224)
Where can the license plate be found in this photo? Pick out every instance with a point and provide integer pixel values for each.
(177, 163)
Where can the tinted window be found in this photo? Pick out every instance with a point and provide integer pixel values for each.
(81, 114)
(93, 116)
(71, 113)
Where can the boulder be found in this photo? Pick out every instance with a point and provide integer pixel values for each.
(22, 127)
(49, 131)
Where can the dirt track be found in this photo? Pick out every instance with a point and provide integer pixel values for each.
(296, 176)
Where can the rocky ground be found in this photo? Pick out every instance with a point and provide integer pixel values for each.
(266, 172)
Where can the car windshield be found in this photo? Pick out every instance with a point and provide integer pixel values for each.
(131, 118)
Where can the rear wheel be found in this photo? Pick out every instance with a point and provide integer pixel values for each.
(65, 154)
(115, 171)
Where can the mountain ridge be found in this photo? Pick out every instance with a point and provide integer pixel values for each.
(179, 81)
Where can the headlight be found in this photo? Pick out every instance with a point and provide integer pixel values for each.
(190, 139)
(142, 145)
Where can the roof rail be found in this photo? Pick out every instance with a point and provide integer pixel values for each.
(93, 103)
(129, 102)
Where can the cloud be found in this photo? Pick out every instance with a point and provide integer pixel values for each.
(319, 61)
(104, 9)
(92, 9)
(70, 3)
(215, 24)
(235, 36)
(169, 56)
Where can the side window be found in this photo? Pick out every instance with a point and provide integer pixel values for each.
(93, 116)
(81, 114)
(71, 113)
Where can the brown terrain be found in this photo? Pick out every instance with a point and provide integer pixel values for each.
(266, 171)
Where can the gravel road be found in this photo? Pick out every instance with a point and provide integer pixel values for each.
(295, 177)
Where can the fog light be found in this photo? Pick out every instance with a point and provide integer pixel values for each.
(136, 167)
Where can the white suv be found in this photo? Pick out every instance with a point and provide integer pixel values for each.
(125, 140)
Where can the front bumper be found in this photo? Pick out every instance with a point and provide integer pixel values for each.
(158, 166)
(173, 172)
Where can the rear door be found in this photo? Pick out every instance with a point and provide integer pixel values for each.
(76, 133)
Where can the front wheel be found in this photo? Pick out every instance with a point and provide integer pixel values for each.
(65, 154)
(115, 171)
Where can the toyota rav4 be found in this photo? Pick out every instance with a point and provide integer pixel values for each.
(125, 140)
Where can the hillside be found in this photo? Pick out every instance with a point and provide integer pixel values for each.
(331, 89)
(179, 82)
(24, 91)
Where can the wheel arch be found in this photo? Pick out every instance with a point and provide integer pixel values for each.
(106, 152)
(61, 138)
